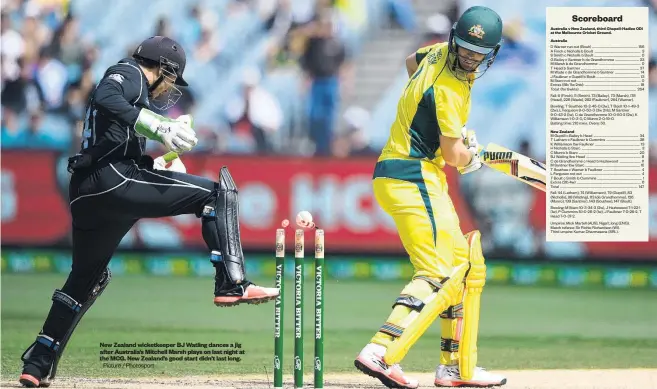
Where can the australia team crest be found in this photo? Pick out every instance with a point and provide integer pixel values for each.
(477, 31)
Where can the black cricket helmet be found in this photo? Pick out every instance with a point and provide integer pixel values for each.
(479, 29)
(171, 58)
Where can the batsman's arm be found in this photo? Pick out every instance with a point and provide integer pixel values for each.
(449, 106)
(411, 65)
(413, 60)
(454, 151)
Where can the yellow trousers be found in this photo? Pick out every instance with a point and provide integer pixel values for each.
(415, 194)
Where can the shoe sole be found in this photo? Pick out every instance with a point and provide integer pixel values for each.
(388, 382)
(254, 301)
(27, 383)
(464, 384)
(30, 381)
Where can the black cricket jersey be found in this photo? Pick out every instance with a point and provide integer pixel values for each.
(111, 114)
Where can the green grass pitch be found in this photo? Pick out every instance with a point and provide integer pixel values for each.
(521, 327)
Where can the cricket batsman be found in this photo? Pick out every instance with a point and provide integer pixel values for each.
(114, 184)
(409, 183)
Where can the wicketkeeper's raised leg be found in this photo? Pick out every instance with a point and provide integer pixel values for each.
(102, 217)
(221, 232)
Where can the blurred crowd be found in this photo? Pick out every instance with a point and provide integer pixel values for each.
(46, 75)
(297, 96)
(290, 77)
(49, 70)
(289, 103)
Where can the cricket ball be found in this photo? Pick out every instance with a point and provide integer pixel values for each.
(304, 218)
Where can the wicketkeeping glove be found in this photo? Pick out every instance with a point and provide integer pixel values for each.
(175, 135)
(470, 141)
(177, 165)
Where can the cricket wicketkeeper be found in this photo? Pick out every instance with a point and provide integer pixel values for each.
(114, 184)
(410, 185)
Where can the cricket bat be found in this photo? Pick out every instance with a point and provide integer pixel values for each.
(514, 164)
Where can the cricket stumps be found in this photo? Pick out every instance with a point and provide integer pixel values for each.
(299, 294)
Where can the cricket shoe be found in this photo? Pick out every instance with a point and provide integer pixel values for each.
(251, 294)
(30, 381)
(449, 376)
(370, 361)
(37, 366)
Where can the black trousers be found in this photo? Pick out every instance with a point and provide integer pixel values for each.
(105, 202)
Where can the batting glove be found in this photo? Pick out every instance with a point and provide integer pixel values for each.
(470, 141)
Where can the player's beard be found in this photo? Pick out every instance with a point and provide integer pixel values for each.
(455, 66)
(467, 73)
(468, 65)
(166, 94)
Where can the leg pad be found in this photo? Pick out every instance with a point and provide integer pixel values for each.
(392, 329)
(409, 301)
(67, 300)
(453, 312)
(474, 283)
(443, 295)
(221, 230)
(49, 342)
(80, 310)
(449, 345)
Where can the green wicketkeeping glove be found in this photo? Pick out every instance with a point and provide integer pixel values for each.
(176, 135)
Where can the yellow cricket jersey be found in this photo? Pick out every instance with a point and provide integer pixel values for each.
(433, 103)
